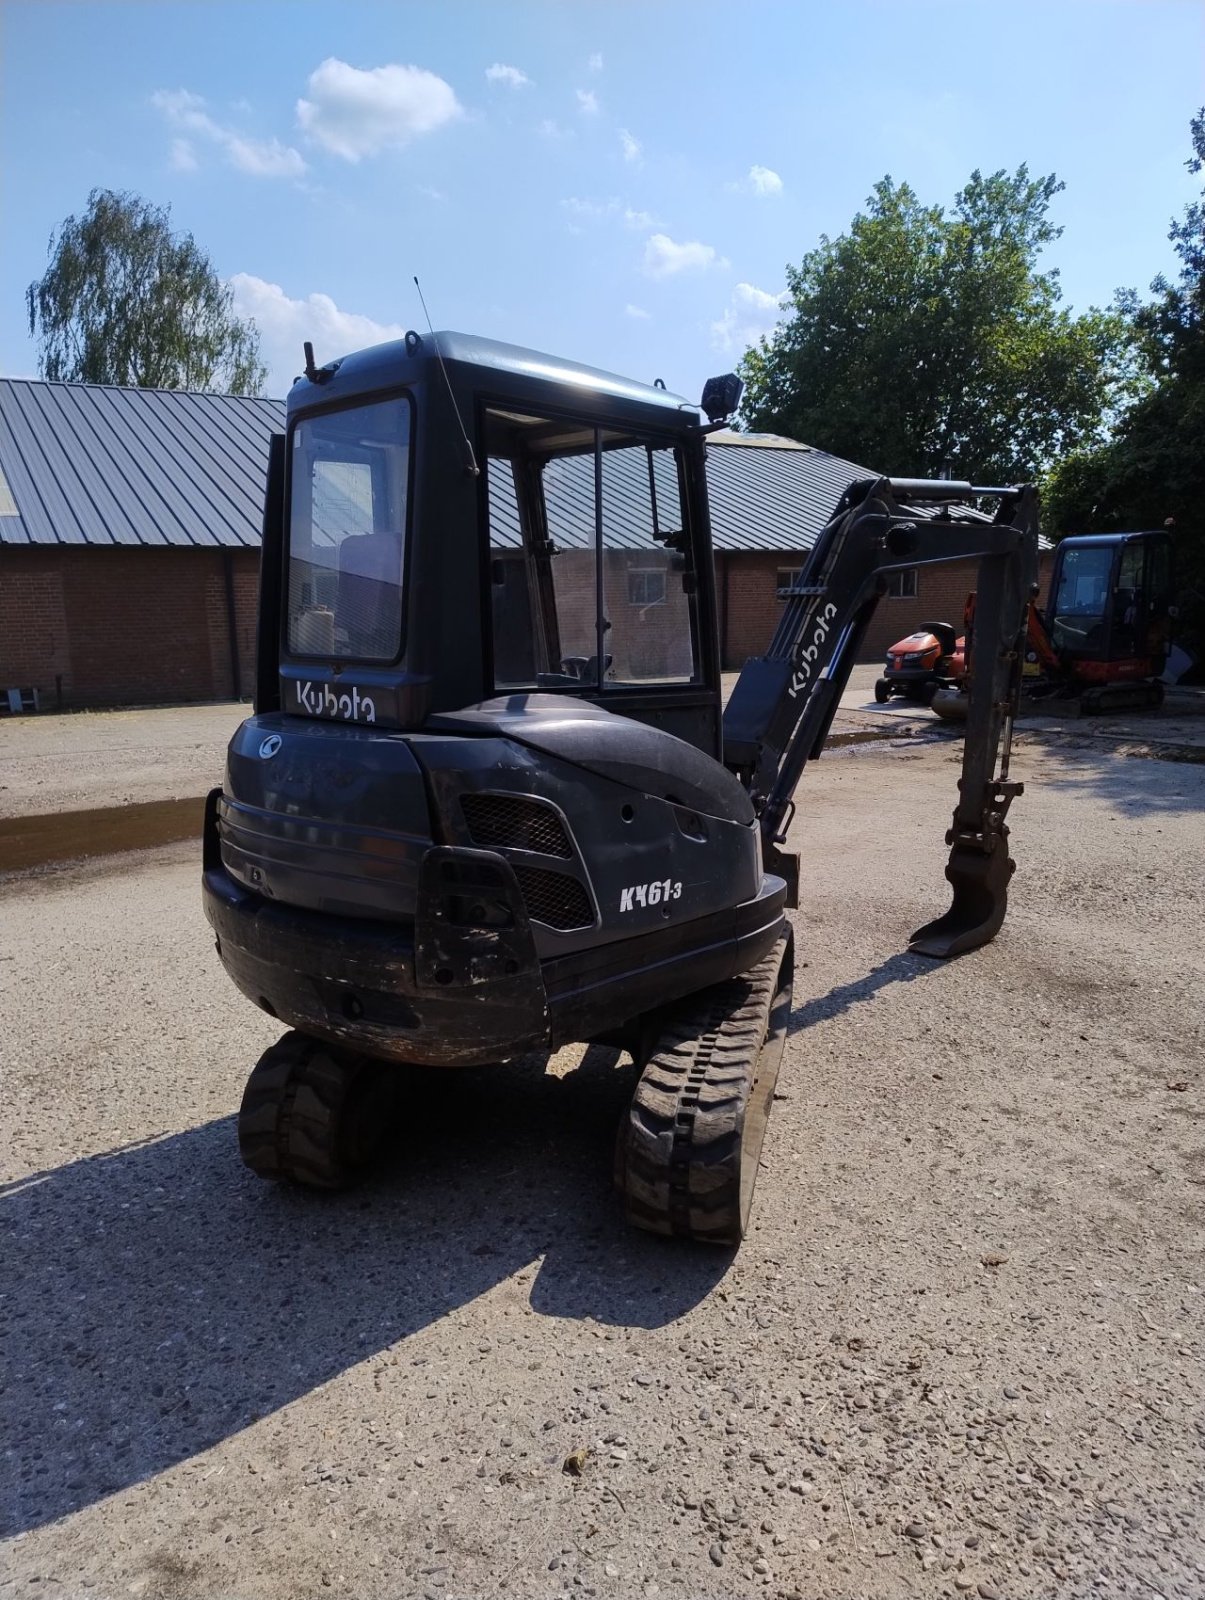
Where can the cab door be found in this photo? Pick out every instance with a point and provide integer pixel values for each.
(1156, 600)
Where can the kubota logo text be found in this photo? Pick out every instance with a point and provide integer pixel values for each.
(320, 700)
(806, 658)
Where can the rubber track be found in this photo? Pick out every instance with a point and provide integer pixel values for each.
(291, 1118)
(687, 1152)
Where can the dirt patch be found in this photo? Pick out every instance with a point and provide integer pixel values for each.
(58, 836)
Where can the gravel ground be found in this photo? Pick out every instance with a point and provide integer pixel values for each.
(87, 759)
(106, 758)
(961, 1352)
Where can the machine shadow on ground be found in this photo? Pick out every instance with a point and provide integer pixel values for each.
(900, 968)
(234, 1298)
(1135, 786)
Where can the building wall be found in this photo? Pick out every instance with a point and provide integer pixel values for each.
(136, 626)
(750, 609)
(89, 626)
(646, 643)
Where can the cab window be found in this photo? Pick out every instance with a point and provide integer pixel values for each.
(590, 576)
(348, 495)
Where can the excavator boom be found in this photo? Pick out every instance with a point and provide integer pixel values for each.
(784, 702)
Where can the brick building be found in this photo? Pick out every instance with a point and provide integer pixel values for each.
(129, 542)
(130, 528)
(770, 497)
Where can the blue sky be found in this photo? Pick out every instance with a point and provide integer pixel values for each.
(619, 183)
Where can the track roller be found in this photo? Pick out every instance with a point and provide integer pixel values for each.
(689, 1144)
(313, 1115)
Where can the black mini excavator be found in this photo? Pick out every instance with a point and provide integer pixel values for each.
(488, 802)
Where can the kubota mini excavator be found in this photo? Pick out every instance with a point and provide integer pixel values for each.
(487, 802)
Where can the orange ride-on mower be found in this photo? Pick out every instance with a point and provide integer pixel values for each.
(930, 659)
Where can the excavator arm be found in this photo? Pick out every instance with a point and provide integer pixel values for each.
(784, 702)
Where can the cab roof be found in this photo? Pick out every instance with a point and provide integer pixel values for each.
(1083, 539)
(400, 361)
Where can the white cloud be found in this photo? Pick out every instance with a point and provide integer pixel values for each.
(183, 107)
(638, 313)
(631, 147)
(549, 129)
(607, 211)
(750, 313)
(590, 210)
(284, 325)
(764, 182)
(587, 102)
(513, 77)
(595, 62)
(355, 113)
(760, 181)
(663, 258)
(262, 158)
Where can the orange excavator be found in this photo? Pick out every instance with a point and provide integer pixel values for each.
(1103, 638)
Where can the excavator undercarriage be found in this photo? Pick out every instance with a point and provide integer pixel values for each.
(469, 820)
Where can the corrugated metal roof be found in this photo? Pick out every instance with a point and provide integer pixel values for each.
(765, 493)
(569, 499)
(773, 495)
(89, 464)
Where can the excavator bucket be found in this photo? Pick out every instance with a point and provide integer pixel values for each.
(980, 884)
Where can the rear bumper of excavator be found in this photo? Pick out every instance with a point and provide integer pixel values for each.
(454, 988)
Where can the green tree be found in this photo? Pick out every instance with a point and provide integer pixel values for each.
(922, 341)
(124, 300)
(1153, 466)
(1152, 470)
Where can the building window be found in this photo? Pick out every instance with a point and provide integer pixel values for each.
(785, 579)
(646, 586)
(902, 585)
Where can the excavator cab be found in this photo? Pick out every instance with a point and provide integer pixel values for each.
(1110, 605)
(455, 520)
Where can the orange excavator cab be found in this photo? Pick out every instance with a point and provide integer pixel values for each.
(1104, 634)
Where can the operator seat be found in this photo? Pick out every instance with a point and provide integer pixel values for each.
(370, 581)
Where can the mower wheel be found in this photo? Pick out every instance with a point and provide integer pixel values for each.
(312, 1115)
(882, 691)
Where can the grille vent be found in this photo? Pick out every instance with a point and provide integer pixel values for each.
(515, 823)
(554, 899)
